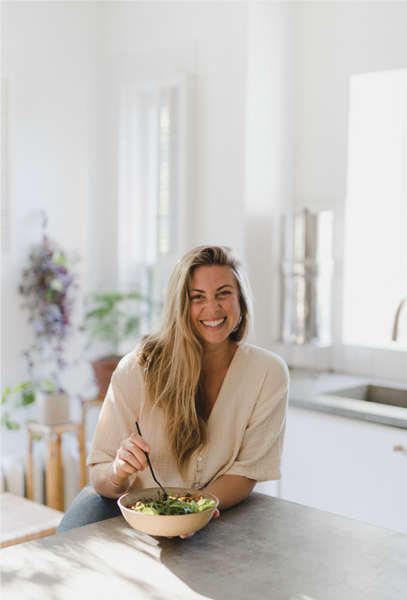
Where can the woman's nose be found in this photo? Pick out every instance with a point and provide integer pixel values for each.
(213, 304)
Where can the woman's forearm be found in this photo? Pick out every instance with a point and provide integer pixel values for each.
(106, 482)
(231, 489)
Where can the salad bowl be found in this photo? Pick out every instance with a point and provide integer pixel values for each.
(167, 525)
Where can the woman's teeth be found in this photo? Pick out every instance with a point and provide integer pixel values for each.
(214, 323)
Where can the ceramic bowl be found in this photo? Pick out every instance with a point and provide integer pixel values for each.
(165, 525)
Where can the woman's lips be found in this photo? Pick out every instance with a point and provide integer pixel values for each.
(214, 324)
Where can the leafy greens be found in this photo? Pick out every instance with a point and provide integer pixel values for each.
(173, 505)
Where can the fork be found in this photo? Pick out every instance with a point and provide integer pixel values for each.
(151, 468)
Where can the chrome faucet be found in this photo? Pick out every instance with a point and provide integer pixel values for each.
(396, 320)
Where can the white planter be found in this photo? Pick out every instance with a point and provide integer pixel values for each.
(52, 409)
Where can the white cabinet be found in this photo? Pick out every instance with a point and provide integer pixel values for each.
(346, 466)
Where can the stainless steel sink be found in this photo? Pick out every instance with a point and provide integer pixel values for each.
(375, 393)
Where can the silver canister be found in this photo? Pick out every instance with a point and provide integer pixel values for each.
(306, 278)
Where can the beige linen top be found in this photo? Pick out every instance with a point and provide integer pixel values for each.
(245, 428)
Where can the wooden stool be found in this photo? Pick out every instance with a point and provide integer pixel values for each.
(54, 482)
(23, 520)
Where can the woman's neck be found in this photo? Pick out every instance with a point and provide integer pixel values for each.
(218, 358)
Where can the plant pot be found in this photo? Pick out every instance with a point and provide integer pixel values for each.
(103, 370)
(52, 409)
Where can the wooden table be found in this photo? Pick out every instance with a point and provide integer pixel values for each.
(263, 549)
(23, 520)
(54, 477)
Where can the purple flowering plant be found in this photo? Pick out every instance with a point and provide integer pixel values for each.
(47, 286)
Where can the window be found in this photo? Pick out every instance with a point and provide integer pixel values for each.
(153, 180)
(375, 258)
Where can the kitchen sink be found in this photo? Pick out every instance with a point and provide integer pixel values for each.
(375, 393)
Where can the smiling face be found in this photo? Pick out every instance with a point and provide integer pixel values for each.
(214, 304)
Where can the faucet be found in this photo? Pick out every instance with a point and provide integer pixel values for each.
(396, 320)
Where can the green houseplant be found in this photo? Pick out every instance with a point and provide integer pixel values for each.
(112, 318)
(22, 394)
(14, 398)
(47, 287)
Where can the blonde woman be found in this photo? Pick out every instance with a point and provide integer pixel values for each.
(210, 406)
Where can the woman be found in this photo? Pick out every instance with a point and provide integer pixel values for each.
(211, 407)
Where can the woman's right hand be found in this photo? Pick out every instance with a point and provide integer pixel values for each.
(130, 457)
(110, 479)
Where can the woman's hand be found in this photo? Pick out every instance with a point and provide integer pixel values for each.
(230, 489)
(130, 457)
(111, 479)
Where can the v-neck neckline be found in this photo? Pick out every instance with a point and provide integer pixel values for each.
(224, 383)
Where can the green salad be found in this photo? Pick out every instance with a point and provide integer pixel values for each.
(174, 504)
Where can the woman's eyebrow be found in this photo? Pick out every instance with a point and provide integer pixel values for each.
(218, 289)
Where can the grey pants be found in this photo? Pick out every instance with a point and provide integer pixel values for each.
(88, 507)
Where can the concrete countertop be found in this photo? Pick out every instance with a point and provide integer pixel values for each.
(310, 390)
(264, 549)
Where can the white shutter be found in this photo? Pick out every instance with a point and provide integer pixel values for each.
(153, 181)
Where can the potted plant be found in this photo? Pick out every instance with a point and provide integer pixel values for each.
(112, 318)
(13, 398)
(47, 285)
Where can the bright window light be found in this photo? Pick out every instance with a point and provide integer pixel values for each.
(375, 256)
(153, 182)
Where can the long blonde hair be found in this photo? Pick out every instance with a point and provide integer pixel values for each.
(172, 357)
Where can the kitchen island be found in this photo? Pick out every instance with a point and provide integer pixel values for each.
(265, 548)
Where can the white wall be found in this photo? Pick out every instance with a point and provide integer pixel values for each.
(50, 57)
(270, 127)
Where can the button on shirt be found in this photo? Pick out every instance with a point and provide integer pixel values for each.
(245, 428)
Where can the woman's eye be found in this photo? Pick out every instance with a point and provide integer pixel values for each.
(225, 293)
(196, 298)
